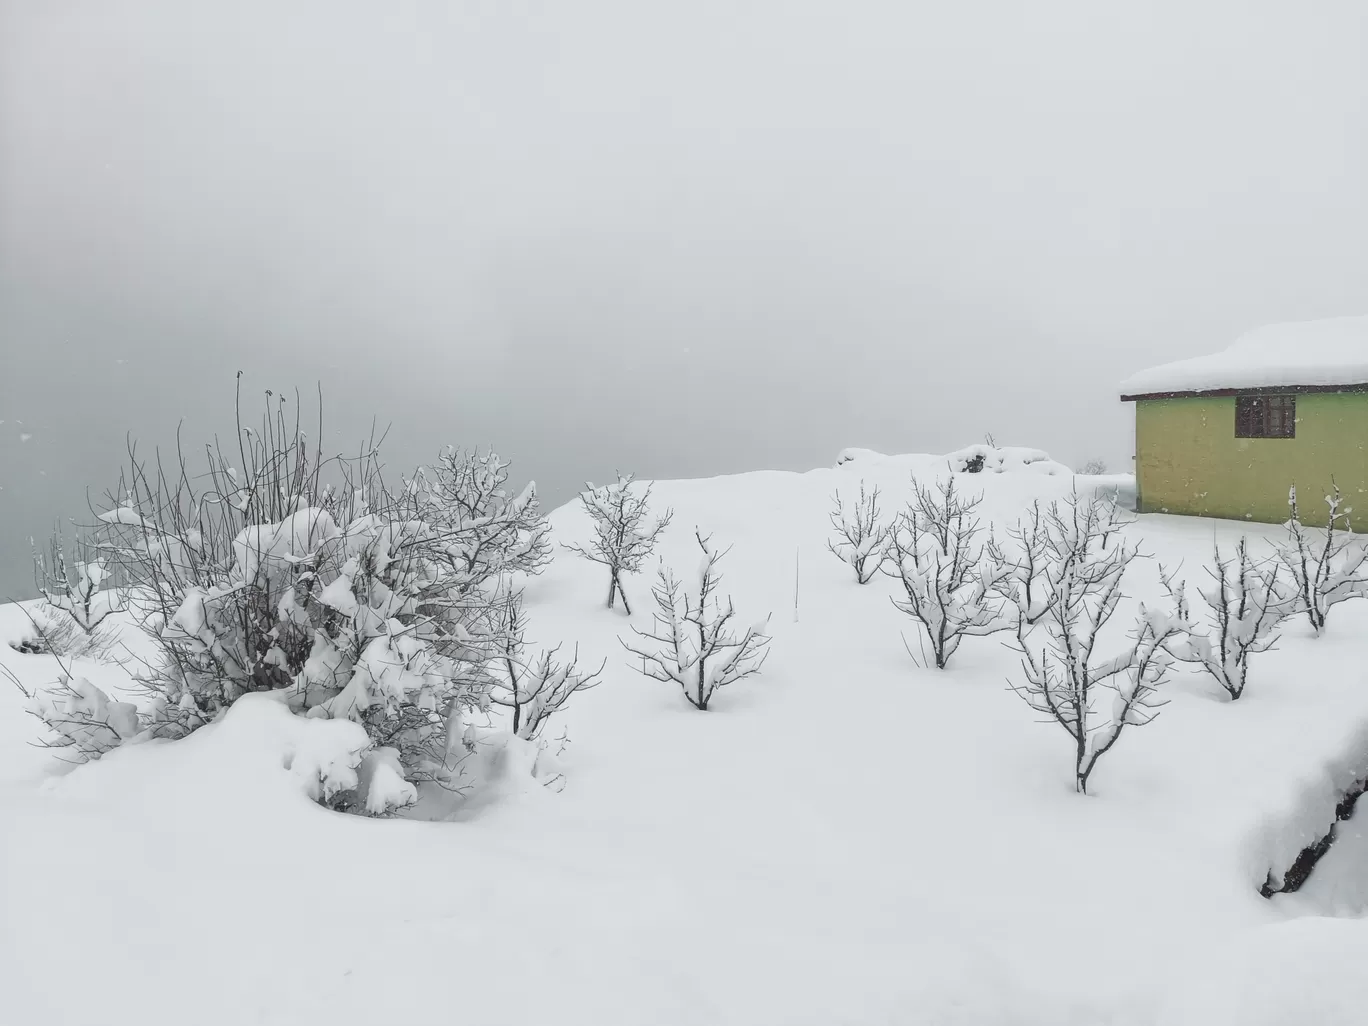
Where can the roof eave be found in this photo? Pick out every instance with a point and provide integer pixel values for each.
(1217, 393)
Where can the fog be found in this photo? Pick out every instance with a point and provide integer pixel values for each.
(683, 238)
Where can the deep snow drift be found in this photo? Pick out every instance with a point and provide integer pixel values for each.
(846, 838)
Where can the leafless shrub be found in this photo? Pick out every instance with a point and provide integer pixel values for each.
(533, 690)
(1245, 601)
(79, 590)
(694, 643)
(1328, 569)
(949, 577)
(861, 536)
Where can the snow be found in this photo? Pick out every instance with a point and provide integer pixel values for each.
(1304, 972)
(844, 838)
(1307, 353)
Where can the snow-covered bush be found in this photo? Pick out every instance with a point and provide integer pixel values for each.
(624, 533)
(1064, 604)
(84, 722)
(215, 568)
(79, 589)
(1246, 601)
(1325, 570)
(303, 575)
(1093, 468)
(492, 531)
(948, 575)
(861, 536)
(533, 690)
(398, 644)
(694, 642)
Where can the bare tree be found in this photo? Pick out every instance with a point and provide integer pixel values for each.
(624, 533)
(861, 534)
(1245, 603)
(1325, 571)
(694, 643)
(950, 579)
(1079, 591)
(533, 690)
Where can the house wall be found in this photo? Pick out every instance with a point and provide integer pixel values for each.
(1188, 460)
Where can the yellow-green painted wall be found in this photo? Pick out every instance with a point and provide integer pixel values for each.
(1188, 460)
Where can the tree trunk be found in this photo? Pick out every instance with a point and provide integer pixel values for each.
(617, 583)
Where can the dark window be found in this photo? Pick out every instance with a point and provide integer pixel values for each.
(1266, 416)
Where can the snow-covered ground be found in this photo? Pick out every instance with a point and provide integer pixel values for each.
(844, 839)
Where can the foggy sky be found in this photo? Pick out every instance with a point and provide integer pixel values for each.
(683, 238)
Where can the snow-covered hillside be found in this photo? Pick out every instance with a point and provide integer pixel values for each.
(846, 838)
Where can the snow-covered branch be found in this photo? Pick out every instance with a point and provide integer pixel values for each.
(489, 531)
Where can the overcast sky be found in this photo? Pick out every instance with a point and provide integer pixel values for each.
(684, 238)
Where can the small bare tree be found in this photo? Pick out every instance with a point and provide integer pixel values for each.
(1245, 603)
(79, 588)
(624, 533)
(492, 532)
(533, 690)
(1325, 571)
(861, 534)
(950, 579)
(694, 643)
(1078, 591)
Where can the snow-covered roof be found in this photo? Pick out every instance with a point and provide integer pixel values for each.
(1304, 355)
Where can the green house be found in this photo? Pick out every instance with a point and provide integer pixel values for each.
(1228, 435)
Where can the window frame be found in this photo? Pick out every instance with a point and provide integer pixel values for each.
(1257, 415)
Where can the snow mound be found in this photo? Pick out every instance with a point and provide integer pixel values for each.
(1011, 459)
(863, 455)
(1307, 354)
(258, 756)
